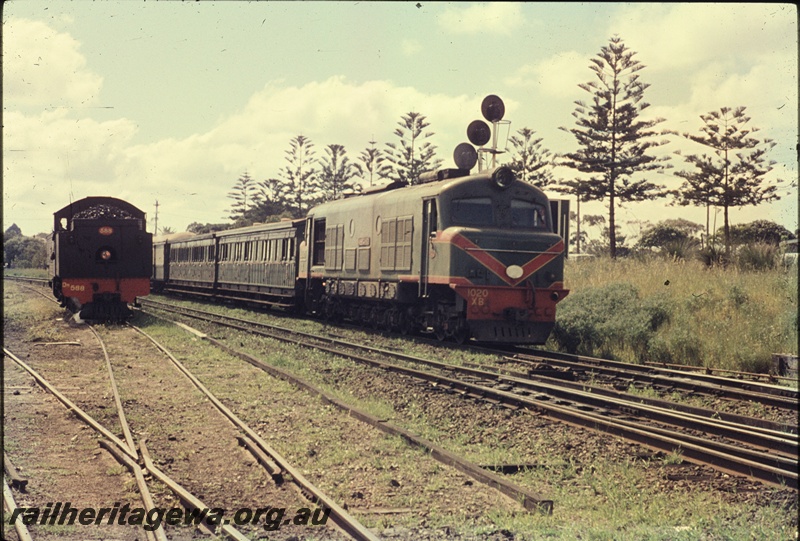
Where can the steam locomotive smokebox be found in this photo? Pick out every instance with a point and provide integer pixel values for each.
(784, 365)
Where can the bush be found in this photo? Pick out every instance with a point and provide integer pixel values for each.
(759, 256)
(712, 256)
(659, 235)
(719, 317)
(599, 321)
(759, 231)
(681, 249)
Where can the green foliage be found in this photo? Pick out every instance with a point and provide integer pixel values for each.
(764, 231)
(733, 176)
(24, 252)
(614, 143)
(412, 156)
(337, 173)
(11, 232)
(245, 196)
(531, 162)
(681, 249)
(298, 187)
(674, 238)
(374, 169)
(660, 234)
(712, 256)
(759, 256)
(717, 316)
(200, 229)
(595, 321)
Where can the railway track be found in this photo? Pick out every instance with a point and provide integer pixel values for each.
(127, 456)
(137, 458)
(750, 450)
(527, 499)
(737, 385)
(664, 379)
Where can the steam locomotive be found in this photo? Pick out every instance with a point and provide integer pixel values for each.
(100, 257)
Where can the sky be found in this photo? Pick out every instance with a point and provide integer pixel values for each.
(174, 101)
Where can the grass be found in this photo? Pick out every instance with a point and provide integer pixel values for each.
(27, 273)
(596, 497)
(678, 312)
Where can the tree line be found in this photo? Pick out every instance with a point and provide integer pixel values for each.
(614, 159)
(307, 180)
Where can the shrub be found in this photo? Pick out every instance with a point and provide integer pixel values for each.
(758, 256)
(602, 320)
(719, 317)
(712, 256)
(757, 231)
(681, 249)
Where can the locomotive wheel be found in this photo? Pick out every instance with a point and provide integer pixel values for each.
(329, 312)
(461, 336)
(404, 323)
(375, 317)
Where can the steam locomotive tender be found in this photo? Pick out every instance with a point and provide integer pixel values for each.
(462, 256)
(101, 257)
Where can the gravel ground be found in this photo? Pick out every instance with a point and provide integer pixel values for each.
(620, 490)
(395, 489)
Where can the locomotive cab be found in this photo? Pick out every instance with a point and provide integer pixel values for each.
(497, 252)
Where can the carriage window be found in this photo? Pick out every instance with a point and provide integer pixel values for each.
(473, 211)
(527, 215)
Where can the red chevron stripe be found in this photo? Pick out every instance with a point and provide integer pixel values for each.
(497, 267)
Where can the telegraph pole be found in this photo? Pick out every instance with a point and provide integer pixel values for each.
(155, 232)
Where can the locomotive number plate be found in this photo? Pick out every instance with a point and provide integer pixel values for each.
(106, 230)
(65, 286)
(477, 297)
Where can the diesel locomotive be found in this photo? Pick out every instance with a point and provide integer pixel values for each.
(100, 257)
(460, 255)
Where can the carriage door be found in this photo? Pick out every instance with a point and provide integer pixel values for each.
(429, 228)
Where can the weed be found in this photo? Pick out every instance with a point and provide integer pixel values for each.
(673, 458)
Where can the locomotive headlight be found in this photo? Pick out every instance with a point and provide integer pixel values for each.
(503, 177)
(514, 271)
(105, 255)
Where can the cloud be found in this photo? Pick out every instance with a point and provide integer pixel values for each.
(557, 75)
(102, 160)
(410, 47)
(493, 17)
(681, 35)
(43, 67)
(51, 157)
